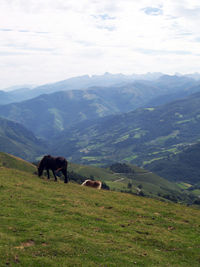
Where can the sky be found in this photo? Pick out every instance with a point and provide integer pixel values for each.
(43, 41)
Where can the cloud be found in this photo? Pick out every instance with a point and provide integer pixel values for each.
(152, 11)
(104, 17)
(6, 30)
(44, 41)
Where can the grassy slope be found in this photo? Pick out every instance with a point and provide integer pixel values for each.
(44, 223)
(10, 161)
(152, 184)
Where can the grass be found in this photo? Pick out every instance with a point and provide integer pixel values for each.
(44, 223)
(10, 161)
(183, 185)
(152, 185)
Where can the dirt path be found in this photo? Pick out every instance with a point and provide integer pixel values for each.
(119, 180)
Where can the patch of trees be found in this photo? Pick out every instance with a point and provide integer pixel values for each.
(121, 168)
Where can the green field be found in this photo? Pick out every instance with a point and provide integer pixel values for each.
(44, 223)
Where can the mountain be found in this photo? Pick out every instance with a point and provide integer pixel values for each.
(164, 84)
(47, 115)
(75, 83)
(50, 114)
(44, 223)
(17, 140)
(18, 87)
(5, 98)
(138, 137)
(183, 166)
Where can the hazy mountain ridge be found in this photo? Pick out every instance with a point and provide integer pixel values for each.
(49, 114)
(75, 83)
(158, 80)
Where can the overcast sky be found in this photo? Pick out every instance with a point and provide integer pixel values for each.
(43, 41)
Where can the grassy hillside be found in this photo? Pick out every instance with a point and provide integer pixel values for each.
(150, 184)
(137, 181)
(44, 223)
(12, 162)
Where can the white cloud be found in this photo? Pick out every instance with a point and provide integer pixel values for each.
(44, 41)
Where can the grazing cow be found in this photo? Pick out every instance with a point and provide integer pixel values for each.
(91, 183)
(55, 164)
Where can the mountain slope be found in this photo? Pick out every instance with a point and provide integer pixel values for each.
(5, 98)
(183, 166)
(137, 137)
(19, 141)
(44, 223)
(135, 181)
(49, 114)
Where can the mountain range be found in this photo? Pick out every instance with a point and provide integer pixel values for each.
(163, 83)
(141, 122)
(76, 83)
(49, 114)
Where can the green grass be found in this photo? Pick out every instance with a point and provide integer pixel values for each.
(10, 161)
(196, 192)
(152, 184)
(184, 185)
(44, 223)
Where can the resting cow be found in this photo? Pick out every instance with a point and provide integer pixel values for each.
(91, 183)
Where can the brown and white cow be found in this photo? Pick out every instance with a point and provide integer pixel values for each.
(91, 183)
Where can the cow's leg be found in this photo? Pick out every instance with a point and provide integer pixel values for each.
(54, 175)
(64, 171)
(48, 174)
